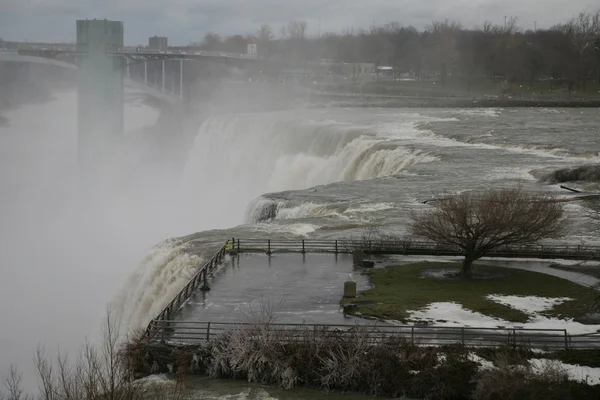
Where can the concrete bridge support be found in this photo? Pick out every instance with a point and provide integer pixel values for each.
(100, 104)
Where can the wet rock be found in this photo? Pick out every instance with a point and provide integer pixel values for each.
(350, 308)
(367, 264)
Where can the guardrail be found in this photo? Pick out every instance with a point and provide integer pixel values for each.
(405, 247)
(193, 333)
(408, 247)
(200, 278)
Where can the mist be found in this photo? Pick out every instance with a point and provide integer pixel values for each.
(68, 240)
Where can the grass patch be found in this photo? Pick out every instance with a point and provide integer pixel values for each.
(399, 289)
(588, 358)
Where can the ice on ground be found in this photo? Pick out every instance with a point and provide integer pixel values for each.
(453, 314)
(528, 304)
(588, 375)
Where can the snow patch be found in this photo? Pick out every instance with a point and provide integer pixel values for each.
(454, 315)
(588, 375)
(528, 304)
(484, 365)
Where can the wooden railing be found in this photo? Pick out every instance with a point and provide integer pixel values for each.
(200, 278)
(193, 332)
(408, 247)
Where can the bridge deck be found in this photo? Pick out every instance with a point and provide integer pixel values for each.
(133, 52)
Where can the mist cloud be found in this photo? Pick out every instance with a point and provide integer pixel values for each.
(186, 21)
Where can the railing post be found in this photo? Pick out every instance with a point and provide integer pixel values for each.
(412, 335)
(462, 336)
(303, 250)
(208, 332)
(566, 340)
(336, 247)
(205, 281)
(269, 246)
(514, 338)
(238, 245)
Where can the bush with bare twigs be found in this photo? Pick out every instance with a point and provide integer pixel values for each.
(516, 379)
(479, 223)
(350, 360)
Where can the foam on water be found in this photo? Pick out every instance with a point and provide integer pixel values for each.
(263, 209)
(156, 280)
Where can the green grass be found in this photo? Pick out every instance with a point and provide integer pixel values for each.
(400, 289)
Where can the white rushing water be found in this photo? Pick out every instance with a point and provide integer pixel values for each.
(235, 159)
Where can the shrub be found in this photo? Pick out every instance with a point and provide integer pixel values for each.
(517, 382)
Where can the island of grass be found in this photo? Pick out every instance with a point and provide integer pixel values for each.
(402, 289)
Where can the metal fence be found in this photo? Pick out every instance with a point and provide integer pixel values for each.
(407, 247)
(200, 278)
(193, 333)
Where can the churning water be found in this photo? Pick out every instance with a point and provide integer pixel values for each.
(324, 173)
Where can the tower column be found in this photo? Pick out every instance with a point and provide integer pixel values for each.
(100, 91)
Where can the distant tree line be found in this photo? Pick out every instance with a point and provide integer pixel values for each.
(568, 53)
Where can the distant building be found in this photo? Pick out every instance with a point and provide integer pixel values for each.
(252, 49)
(352, 69)
(158, 43)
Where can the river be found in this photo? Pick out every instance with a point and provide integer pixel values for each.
(323, 172)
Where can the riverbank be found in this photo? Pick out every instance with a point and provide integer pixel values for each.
(365, 101)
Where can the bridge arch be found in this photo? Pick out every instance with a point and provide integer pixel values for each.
(13, 57)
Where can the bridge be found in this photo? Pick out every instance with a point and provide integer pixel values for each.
(142, 86)
(105, 65)
(68, 56)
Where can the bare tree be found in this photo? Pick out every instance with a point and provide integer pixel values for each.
(265, 38)
(477, 224)
(296, 30)
(13, 385)
(212, 41)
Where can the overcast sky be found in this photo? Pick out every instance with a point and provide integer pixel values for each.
(184, 21)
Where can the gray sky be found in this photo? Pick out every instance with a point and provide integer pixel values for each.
(184, 21)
